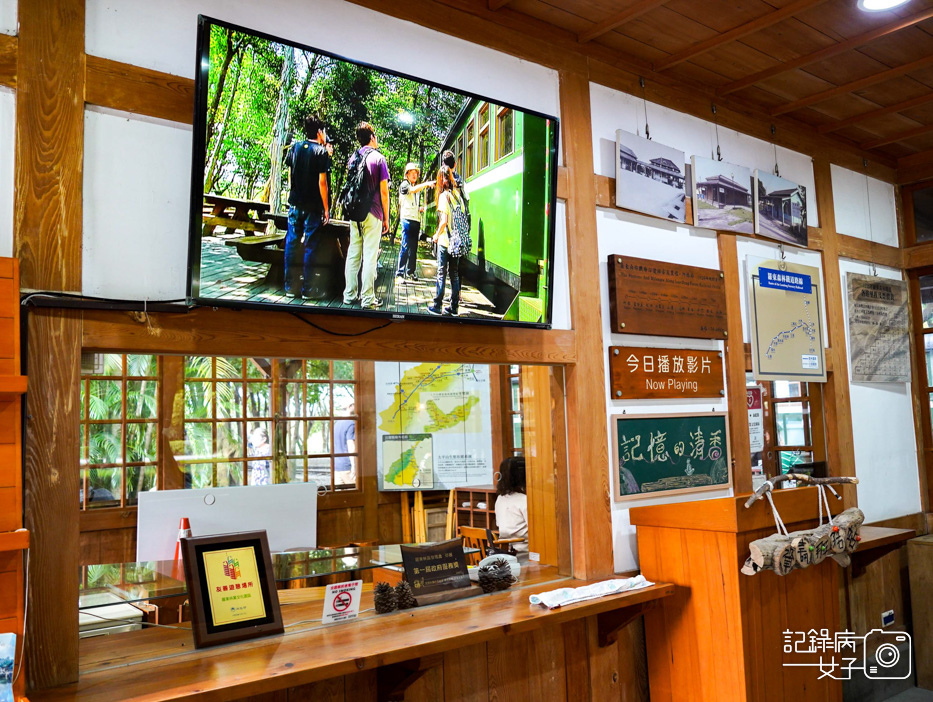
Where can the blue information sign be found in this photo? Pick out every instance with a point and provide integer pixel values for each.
(784, 280)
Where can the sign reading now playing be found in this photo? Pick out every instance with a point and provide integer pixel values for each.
(648, 372)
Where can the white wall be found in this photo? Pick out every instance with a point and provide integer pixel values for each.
(8, 16)
(883, 433)
(853, 199)
(7, 149)
(161, 35)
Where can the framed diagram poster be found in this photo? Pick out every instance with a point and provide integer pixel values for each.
(670, 453)
(231, 587)
(879, 333)
(786, 321)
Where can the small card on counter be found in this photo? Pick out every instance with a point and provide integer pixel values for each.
(342, 601)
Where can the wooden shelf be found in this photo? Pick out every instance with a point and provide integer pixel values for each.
(877, 537)
(14, 540)
(12, 384)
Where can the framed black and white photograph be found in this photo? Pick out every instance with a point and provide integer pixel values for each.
(650, 177)
(722, 196)
(780, 209)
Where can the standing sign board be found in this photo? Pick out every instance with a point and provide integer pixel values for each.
(645, 372)
(666, 299)
(670, 453)
(879, 340)
(756, 424)
(342, 601)
(785, 311)
(435, 568)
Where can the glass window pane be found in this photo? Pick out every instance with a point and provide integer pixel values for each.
(199, 442)
(318, 403)
(789, 419)
(295, 438)
(141, 442)
(343, 370)
(296, 470)
(229, 474)
(83, 385)
(113, 364)
(319, 471)
(141, 399)
(291, 368)
(783, 388)
(106, 399)
(104, 487)
(344, 400)
(200, 475)
(294, 399)
(83, 432)
(198, 398)
(139, 479)
(516, 431)
(146, 365)
(516, 396)
(229, 400)
(317, 370)
(344, 479)
(199, 367)
(259, 442)
(229, 367)
(318, 437)
(259, 399)
(105, 444)
(928, 350)
(923, 213)
(259, 368)
(229, 440)
(788, 460)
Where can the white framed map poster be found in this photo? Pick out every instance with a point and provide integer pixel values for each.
(786, 321)
(879, 333)
(433, 425)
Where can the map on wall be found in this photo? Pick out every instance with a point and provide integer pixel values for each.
(879, 341)
(433, 425)
(786, 321)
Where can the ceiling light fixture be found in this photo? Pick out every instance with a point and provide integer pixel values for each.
(880, 5)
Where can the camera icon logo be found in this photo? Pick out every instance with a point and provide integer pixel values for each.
(888, 655)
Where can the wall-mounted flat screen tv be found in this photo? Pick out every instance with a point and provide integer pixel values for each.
(325, 184)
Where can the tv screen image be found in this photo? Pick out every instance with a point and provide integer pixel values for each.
(325, 184)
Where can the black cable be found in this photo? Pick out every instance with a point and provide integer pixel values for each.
(335, 333)
(92, 298)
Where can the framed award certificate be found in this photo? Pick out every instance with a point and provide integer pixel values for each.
(231, 588)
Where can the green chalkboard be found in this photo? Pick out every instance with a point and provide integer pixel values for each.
(670, 453)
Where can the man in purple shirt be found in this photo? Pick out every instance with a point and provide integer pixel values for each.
(364, 236)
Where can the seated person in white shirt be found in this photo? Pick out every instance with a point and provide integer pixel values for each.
(512, 504)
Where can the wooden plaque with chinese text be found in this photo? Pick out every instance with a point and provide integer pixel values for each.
(666, 299)
(651, 373)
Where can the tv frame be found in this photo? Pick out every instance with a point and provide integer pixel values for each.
(198, 156)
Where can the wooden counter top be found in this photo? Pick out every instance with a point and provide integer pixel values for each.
(162, 664)
(877, 537)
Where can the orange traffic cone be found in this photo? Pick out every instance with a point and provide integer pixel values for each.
(184, 532)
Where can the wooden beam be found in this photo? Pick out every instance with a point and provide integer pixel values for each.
(915, 168)
(900, 136)
(743, 30)
(854, 85)
(880, 112)
(49, 144)
(8, 50)
(134, 89)
(208, 331)
(870, 252)
(497, 4)
(837, 405)
(618, 19)
(919, 256)
(828, 52)
(588, 438)
(735, 366)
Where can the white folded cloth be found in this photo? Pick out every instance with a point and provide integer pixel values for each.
(570, 595)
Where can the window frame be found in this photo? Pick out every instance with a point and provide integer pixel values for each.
(503, 113)
(468, 149)
(811, 397)
(483, 135)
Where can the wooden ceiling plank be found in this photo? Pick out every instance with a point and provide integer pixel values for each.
(827, 52)
(853, 86)
(732, 35)
(915, 168)
(498, 4)
(881, 112)
(618, 19)
(902, 136)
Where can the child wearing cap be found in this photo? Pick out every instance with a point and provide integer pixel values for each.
(409, 207)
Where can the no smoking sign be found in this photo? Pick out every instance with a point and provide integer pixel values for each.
(342, 601)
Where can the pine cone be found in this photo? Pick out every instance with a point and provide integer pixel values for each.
(384, 598)
(496, 576)
(404, 595)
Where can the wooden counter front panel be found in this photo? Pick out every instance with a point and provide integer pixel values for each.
(720, 637)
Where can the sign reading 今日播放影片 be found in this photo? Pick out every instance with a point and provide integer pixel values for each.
(648, 372)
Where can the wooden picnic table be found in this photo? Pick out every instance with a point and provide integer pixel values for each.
(234, 213)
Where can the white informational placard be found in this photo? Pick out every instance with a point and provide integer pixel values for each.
(433, 426)
(879, 330)
(342, 601)
(756, 424)
(288, 514)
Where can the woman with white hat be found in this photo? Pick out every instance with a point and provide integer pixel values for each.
(409, 207)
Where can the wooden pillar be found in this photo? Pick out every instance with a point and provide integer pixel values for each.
(588, 442)
(837, 407)
(47, 240)
(735, 367)
(367, 447)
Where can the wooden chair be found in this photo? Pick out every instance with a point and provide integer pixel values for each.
(474, 537)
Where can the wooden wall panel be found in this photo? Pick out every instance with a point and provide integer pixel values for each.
(587, 432)
(8, 51)
(466, 674)
(540, 467)
(49, 144)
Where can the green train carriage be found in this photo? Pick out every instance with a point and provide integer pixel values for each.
(503, 156)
